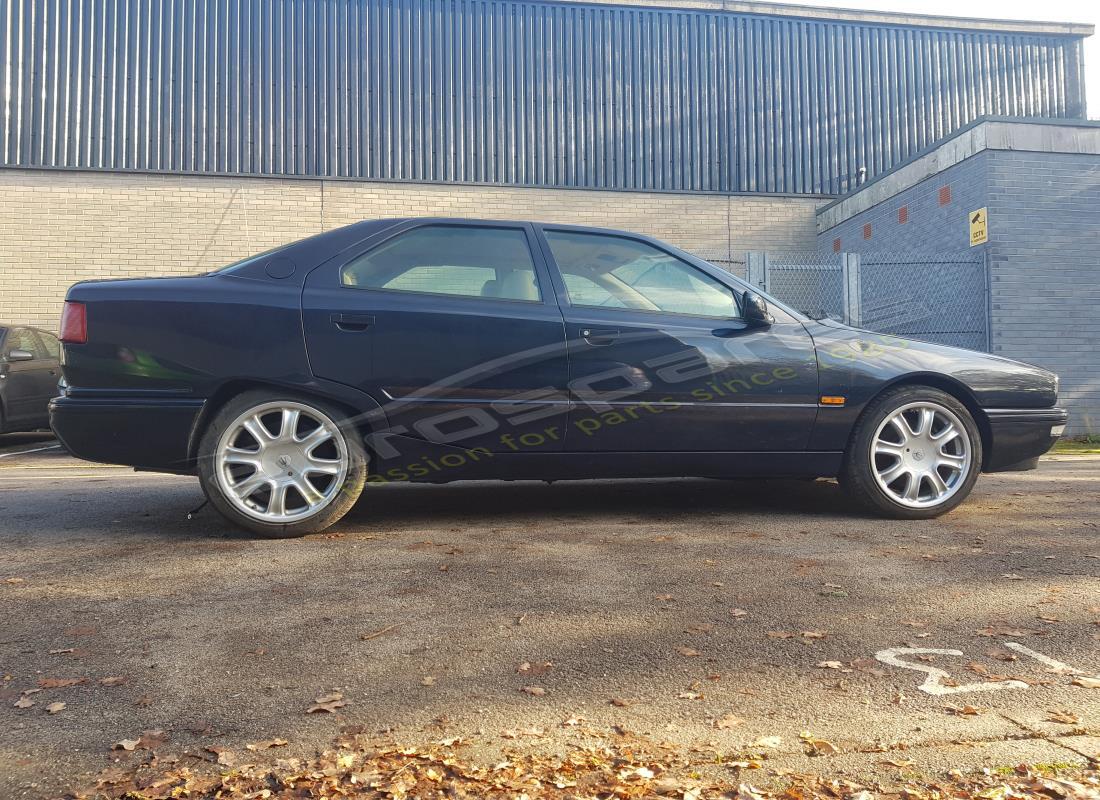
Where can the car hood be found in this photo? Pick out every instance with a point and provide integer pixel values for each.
(994, 381)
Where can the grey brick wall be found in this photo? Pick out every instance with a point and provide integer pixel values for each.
(1045, 266)
(1043, 251)
(930, 226)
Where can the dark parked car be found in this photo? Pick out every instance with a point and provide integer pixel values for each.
(439, 350)
(29, 372)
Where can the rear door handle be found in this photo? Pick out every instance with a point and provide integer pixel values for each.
(598, 337)
(352, 323)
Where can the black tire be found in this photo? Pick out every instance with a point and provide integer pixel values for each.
(343, 496)
(857, 475)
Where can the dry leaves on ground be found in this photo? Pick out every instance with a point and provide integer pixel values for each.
(816, 746)
(727, 722)
(623, 767)
(60, 683)
(1064, 717)
(1005, 630)
(537, 668)
(327, 704)
(964, 711)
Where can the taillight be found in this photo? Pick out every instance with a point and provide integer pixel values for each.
(74, 323)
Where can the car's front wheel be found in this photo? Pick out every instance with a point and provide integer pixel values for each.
(280, 465)
(915, 453)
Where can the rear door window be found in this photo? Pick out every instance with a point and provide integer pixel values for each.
(462, 261)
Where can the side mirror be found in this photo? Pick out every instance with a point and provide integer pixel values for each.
(755, 310)
(20, 355)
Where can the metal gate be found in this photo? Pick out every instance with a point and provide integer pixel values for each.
(938, 297)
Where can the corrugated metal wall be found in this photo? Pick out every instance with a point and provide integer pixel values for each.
(502, 92)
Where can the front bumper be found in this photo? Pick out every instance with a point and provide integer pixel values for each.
(147, 433)
(1018, 436)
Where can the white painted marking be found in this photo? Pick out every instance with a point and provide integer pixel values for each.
(932, 683)
(24, 452)
(1055, 666)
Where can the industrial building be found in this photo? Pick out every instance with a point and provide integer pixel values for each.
(173, 137)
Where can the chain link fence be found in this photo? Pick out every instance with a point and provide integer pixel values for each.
(937, 297)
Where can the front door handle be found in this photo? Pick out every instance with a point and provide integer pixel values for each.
(598, 337)
(352, 323)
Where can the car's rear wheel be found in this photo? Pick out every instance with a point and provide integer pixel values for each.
(915, 453)
(280, 465)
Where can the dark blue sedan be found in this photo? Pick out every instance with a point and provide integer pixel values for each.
(440, 350)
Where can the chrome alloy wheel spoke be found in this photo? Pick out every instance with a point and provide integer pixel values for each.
(272, 471)
(920, 455)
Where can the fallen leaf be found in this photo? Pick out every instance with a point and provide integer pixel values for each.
(738, 612)
(1012, 576)
(901, 762)
(24, 702)
(60, 683)
(965, 711)
(366, 637)
(727, 722)
(819, 747)
(665, 598)
(700, 627)
(61, 652)
(113, 680)
(327, 703)
(527, 668)
(152, 739)
(14, 580)
(54, 708)
(621, 703)
(687, 652)
(266, 745)
(768, 741)
(534, 691)
(814, 634)
(427, 680)
(1002, 630)
(1086, 682)
(830, 665)
(224, 757)
(1064, 717)
(126, 744)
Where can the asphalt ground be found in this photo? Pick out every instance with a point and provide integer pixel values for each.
(712, 615)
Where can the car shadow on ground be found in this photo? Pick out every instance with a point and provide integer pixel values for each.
(502, 501)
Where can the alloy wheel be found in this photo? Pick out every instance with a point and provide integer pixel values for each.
(281, 462)
(921, 454)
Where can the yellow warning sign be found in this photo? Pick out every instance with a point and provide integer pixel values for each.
(979, 227)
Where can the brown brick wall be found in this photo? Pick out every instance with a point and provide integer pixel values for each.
(57, 228)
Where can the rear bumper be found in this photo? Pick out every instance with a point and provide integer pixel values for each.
(146, 433)
(1018, 436)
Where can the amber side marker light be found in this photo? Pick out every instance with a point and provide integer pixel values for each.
(831, 400)
(74, 323)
